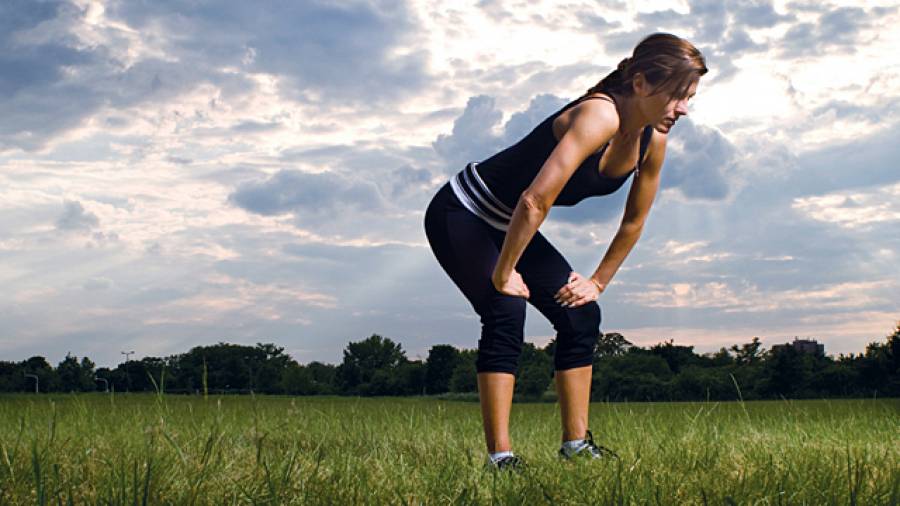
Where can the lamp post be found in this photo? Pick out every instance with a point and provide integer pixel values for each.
(36, 381)
(127, 376)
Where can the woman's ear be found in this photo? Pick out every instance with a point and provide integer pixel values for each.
(639, 85)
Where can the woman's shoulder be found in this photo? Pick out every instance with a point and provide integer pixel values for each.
(590, 112)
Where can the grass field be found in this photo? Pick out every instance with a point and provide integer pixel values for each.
(150, 449)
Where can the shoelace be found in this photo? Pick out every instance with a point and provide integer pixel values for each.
(596, 449)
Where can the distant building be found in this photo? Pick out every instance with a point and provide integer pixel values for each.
(810, 346)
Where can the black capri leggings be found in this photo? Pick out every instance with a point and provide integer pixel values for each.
(467, 248)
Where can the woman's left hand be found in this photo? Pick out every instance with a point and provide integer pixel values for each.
(578, 291)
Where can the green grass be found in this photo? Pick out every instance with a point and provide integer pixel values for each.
(149, 449)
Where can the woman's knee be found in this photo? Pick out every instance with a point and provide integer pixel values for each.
(577, 338)
(502, 335)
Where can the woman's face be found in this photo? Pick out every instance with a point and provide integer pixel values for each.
(662, 109)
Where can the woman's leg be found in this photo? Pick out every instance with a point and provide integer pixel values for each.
(495, 391)
(545, 271)
(467, 249)
(573, 386)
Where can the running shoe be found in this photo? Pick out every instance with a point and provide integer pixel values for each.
(509, 463)
(589, 449)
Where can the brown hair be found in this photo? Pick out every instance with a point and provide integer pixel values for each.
(668, 63)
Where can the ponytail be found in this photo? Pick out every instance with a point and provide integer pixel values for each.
(614, 81)
(666, 61)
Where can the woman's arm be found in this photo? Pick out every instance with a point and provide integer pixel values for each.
(593, 123)
(640, 198)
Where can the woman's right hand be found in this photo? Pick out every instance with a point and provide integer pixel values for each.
(512, 285)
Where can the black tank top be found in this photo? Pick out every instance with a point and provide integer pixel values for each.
(508, 173)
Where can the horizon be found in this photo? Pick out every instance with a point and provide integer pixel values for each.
(764, 348)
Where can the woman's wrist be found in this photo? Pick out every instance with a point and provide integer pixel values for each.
(600, 286)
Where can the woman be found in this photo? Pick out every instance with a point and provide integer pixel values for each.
(483, 228)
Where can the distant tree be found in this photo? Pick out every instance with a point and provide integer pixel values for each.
(442, 359)
(297, 380)
(12, 377)
(748, 353)
(702, 383)
(835, 380)
(47, 376)
(465, 377)
(112, 377)
(411, 378)
(324, 377)
(636, 375)
(611, 344)
(151, 374)
(786, 372)
(675, 356)
(717, 359)
(878, 366)
(75, 376)
(368, 365)
(534, 375)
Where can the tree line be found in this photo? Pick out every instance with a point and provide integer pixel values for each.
(378, 366)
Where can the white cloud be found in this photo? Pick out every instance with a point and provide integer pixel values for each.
(853, 209)
(750, 298)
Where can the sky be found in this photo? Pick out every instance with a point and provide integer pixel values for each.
(176, 174)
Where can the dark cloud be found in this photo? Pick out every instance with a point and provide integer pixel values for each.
(739, 42)
(255, 126)
(34, 99)
(75, 217)
(306, 194)
(758, 14)
(711, 18)
(473, 136)
(699, 168)
(51, 86)
(597, 23)
(324, 52)
(835, 30)
(853, 163)
(408, 179)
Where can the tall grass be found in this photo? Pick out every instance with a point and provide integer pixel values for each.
(207, 449)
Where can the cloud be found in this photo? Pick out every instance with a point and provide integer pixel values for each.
(839, 29)
(307, 195)
(74, 217)
(758, 14)
(325, 52)
(35, 99)
(750, 298)
(100, 283)
(473, 137)
(698, 167)
(62, 63)
(853, 209)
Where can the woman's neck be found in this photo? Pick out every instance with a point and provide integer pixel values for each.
(631, 121)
